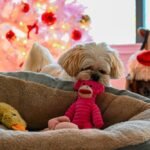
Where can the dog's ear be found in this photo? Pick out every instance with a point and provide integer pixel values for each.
(77, 85)
(70, 60)
(141, 32)
(38, 57)
(116, 65)
(145, 34)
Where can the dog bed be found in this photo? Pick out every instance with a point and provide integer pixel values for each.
(39, 97)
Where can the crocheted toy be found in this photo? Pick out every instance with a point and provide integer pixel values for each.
(10, 117)
(83, 113)
(138, 79)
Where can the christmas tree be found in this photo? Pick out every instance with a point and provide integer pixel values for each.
(56, 24)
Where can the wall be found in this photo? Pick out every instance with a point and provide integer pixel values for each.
(125, 51)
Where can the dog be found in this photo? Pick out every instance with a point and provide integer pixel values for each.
(81, 62)
(138, 79)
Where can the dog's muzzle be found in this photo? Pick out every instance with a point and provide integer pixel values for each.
(95, 76)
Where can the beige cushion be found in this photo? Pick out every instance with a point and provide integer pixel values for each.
(38, 103)
(127, 119)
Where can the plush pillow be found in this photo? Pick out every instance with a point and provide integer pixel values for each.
(37, 102)
(42, 79)
(39, 97)
(62, 84)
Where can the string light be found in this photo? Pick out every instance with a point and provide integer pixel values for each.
(21, 23)
(52, 9)
(17, 39)
(23, 53)
(24, 1)
(84, 26)
(63, 47)
(55, 45)
(65, 26)
(25, 41)
(38, 5)
(51, 28)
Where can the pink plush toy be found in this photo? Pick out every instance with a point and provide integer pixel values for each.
(83, 113)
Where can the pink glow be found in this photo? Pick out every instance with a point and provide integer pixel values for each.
(125, 51)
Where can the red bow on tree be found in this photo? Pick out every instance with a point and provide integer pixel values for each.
(31, 27)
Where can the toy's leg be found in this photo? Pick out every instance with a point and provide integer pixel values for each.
(66, 125)
(38, 57)
(53, 122)
(87, 125)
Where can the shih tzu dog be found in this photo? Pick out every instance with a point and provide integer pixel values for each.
(86, 61)
(138, 79)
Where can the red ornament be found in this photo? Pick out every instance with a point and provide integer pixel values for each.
(10, 35)
(76, 35)
(31, 27)
(21, 64)
(25, 7)
(48, 18)
(144, 58)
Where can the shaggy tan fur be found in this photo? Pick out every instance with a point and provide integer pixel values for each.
(127, 120)
(88, 58)
(43, 56)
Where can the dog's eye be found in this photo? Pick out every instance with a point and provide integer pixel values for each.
(87, 68)
(13, 114)
(102, 71)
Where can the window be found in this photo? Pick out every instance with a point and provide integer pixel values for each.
(112, 21)
(142, 16)
(147, 14)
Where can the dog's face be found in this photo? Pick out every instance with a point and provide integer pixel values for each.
(92, 61)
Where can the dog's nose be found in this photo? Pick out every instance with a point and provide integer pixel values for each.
(95, 76)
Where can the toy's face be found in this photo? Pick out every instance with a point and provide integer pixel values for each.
(88, 88)
(13, 121)
(85, 91)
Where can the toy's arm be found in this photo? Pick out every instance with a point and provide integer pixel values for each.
(97, 117)
(70, 112)
(53, 122)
